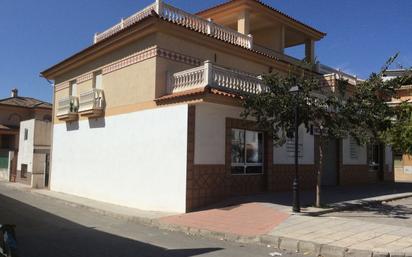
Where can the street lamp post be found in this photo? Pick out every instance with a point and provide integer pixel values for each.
(295, 186)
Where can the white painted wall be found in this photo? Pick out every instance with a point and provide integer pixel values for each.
(307, 142)
(210, 132)
(136, 159)
(4, 172)
(358, 157)
(210, 136)
(26, 147)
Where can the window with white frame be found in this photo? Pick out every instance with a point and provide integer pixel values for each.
(97, 80)
(246, 152)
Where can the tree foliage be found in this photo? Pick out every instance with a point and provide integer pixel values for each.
(274, 108)
(334, 111)
(399, 135)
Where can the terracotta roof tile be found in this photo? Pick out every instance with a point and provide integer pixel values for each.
(198, 91)
(190, 92)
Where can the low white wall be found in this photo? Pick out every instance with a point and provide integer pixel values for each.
(26, 147)
(281, 154)
(4, 174)
(4, 155)
(352, 153)
(136, 159)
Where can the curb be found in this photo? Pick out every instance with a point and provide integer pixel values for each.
(281, 243)
(324, 250)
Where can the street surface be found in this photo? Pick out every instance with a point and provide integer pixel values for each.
(52, 228)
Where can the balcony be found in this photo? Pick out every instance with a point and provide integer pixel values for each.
(67, 108)
(215, 77)
(92, 103)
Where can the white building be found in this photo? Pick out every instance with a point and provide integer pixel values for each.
(34, 152)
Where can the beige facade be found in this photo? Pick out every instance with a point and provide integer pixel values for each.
(152, 63)
(135, 63)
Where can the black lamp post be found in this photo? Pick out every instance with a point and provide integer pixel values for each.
(295, 186)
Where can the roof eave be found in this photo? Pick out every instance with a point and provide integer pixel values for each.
(51, 72)
(314, 32)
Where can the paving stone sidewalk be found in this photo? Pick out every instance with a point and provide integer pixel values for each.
(263, 223)
(341, 237)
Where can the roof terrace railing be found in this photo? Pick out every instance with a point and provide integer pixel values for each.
(215, 77)
(336, 73)
(178, 16)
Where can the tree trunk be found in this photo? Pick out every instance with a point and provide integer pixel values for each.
(319, 172)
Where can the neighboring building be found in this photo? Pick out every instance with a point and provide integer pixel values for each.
(13, 110)
(402, 162)
(34, 153)
(149, 116)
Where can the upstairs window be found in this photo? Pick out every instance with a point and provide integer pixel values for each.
(73, 88)
(26, 134)
(97, 80)
(246, 152)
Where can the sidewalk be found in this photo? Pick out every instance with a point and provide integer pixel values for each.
(265, 223)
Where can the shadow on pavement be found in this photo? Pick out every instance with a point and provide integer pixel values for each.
(42, 234)
(376, 208)
(330, 195)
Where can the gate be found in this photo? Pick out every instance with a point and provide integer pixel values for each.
(47, 171)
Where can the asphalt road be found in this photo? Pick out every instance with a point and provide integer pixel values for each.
(51, 228)
(398, 213)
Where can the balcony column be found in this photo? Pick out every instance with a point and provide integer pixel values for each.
(310, 51)
(208, 77)
(282, 39)
(158, 7)
(243, 22)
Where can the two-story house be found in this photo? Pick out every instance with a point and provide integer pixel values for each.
(14, 110)
(148, 116)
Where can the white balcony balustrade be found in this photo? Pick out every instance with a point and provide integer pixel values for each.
(183, 18)
(92, 103)
(215, 77)
(67, 108)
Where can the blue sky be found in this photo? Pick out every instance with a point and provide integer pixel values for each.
(37, 34)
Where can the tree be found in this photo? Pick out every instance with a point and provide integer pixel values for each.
(376, 118)
(399, 136)
(274, 111)
(362, 113)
